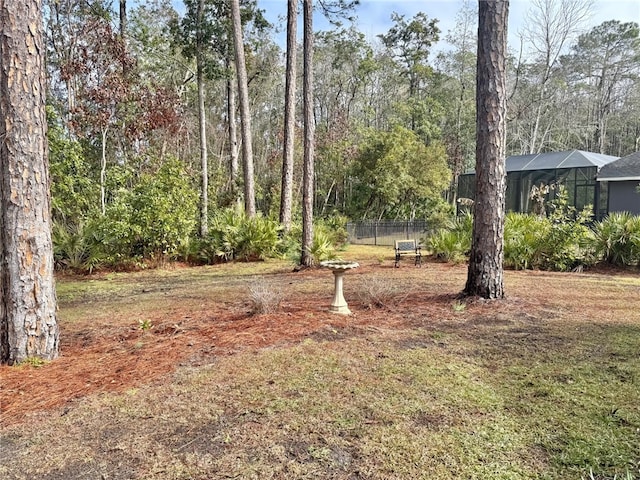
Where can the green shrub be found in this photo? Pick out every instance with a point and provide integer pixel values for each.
(75, 248)
(73, 192)
(289, 246)
(258, 239)
(115, 230)
(164, 210)
(616, 239)
(152, 220)
(329, 235)
(323, 246)
(523, 238)
(234, 236)
(453, 242)
(335, 226)
(566, 244)
(562, 241)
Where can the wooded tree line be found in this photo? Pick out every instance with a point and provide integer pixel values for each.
(131, 89)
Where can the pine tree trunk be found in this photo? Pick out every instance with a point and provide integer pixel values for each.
(28, 326)
(286, 194)
(306, 258)
(485, 274)
(245, 114)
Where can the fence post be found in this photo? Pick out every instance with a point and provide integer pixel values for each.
(375, 233)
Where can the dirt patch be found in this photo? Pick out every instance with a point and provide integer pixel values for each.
(434, 421)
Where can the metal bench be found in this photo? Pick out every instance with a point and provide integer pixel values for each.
(408, 247)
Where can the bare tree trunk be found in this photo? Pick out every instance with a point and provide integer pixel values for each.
(123, 19)
(306, 258)
(28, 326)
(233, 136)
(103, 171)
(485, 273)
(202, 121)
(286, 195)
(245, 114)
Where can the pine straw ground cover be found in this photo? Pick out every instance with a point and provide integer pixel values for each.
(167, 374)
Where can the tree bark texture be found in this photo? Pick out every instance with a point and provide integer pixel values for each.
(28, 326)
(123, 19)
(286, 194)
(202, 123)
(233, 135)
(306, 258)
(245, 114)
(485, 274)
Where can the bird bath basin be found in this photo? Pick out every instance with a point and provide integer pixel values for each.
(339, 267)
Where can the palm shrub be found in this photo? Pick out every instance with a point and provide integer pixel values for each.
(258, 238)
(289, 246)
(323, 246)
(329, 235)
(233, 235)
(524, 236)
(561, 241)
(616, 239)
(75, 247)
(453, 242)
(335, 226)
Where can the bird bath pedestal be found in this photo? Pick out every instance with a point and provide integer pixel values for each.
(339, 267)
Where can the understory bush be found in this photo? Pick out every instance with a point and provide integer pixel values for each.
(152, 221)
(523, 238)
(567, 243)
(616, 239)
(235, 236)
(452, 242)
(561, 241)
(75, 248)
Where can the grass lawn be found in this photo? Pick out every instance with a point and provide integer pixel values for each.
(167, 374)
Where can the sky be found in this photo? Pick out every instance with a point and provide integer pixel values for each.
(373, 16)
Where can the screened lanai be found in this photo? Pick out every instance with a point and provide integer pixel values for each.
(574, 169)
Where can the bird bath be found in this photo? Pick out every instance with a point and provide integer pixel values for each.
(339, 267)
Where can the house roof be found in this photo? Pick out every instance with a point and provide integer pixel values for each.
(556, 160)
(626, 168)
